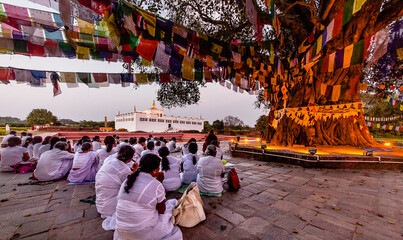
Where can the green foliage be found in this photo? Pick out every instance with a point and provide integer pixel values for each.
(41, 117)
(218, 125)
(262, 123)
(9, 120)
(178, 94)
(207, 126)
(231, 122)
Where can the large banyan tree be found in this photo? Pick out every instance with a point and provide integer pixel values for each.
(307, 57)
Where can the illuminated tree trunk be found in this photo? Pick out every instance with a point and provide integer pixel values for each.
(339, 131)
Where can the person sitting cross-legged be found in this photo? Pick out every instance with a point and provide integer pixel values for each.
(13, 154)
(55, 163)
(85, 165)
(210, 171)
(170, 167)
(142, 211)
(107, 184)
(189, 163)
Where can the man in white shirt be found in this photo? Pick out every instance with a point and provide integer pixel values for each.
(172, 145)
(139, 148)
(150, 149)
(5, 139)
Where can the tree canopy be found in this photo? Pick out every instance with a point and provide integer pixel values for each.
(41, 117)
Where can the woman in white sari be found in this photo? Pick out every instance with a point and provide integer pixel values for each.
(107, 184)
(170, 167)
(85, 165)
(142, 211)
(55, 163)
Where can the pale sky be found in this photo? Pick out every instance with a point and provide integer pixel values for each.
(83, 103)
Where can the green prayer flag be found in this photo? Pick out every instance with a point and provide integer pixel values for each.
(84, 78)
(20, 46)
(86, 40)
(358, 52)
(320, 63)
(348, 11)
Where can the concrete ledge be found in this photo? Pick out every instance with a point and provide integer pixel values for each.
(318, 161)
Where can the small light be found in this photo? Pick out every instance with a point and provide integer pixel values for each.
(312, 151)
(232, 140)
(246, 140)
(258, 139)
(368, 153)
(387, 144)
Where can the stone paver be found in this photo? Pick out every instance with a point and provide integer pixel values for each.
(276, 201)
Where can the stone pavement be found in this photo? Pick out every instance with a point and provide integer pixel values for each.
(275, 201)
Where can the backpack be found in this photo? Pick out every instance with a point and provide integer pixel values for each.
(233, 181)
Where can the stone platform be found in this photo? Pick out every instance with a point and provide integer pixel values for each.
(276, 201)
(326, 157)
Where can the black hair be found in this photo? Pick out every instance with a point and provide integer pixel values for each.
(37, 139)
(193, 150)
(214, 142)
(53, 141)
(192, 140)
(174, 138)
(158, 143)
(114, 135)
(61, 145)
(141, 140)
(96, 138)
(117, 137)
(13, 132)
(13, 141)
(86, 140)
(29, 134)
(63, 139)
(211, 132)
(86, 146)
(150, 145)
(24, 134)
(150, 136)
(109, 141)
(125, 153)
(28, 141)
(46, 140)
(133, 140)
(126, 141)
(164, 152)
(148, 163)
(161, 138)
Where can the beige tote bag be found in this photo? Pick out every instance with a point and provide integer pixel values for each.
(189, 210)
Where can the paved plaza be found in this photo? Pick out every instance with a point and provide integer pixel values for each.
(275, 201)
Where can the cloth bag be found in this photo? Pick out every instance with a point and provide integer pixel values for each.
(189, 210)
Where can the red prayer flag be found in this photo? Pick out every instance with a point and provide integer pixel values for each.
(127, 59)
(325, 64)
(35, 50)
(100, 77)
(146, 48)
(338, 21)
(367, 47)
(6, 74)
(165, 78)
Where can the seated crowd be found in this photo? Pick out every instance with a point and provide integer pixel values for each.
(131, 177)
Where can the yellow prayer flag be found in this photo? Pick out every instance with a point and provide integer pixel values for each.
(323, 89)
(348, 52)
(215, 48)
(400, 53)
(209, 61)
(319, 44)
(357, 5)
(85, 27)
(336, 93)
(145, 62)
(151, 22)
(188, 67)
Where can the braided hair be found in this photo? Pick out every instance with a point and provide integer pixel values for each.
(193, 150)
(164, 152)
(148, 163)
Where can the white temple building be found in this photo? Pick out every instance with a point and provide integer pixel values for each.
(154, 120)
